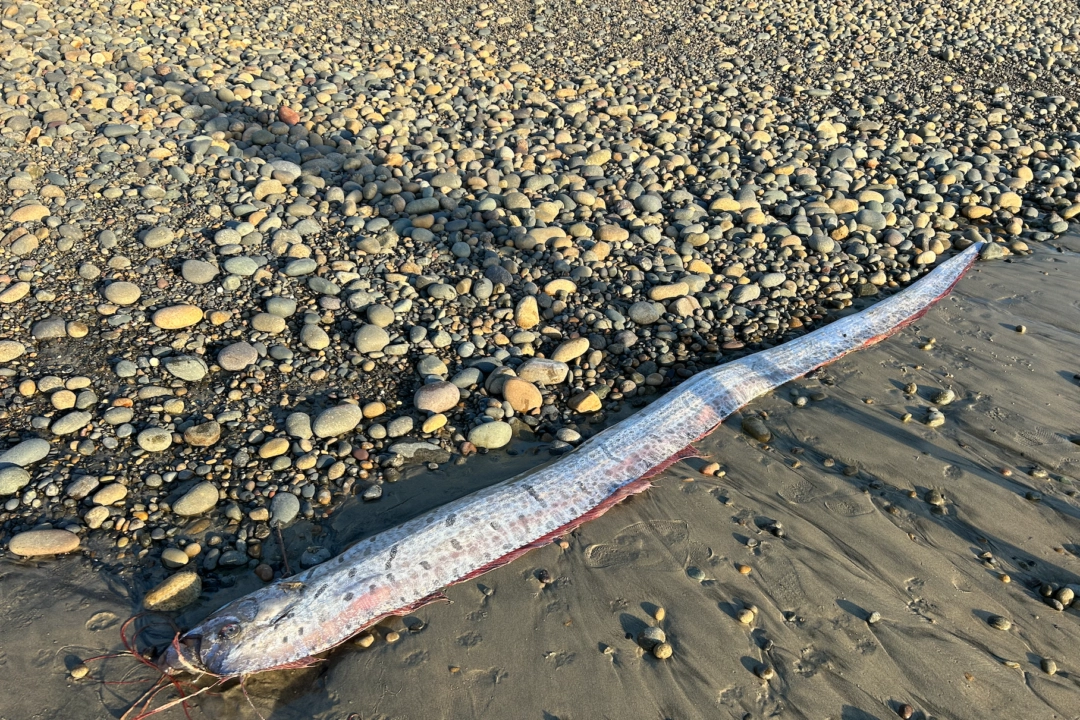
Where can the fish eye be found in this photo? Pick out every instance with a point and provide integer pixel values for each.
(229, 630)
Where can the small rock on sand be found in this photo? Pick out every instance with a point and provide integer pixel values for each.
(178, 591)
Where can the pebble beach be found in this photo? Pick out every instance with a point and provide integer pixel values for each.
(268, 268)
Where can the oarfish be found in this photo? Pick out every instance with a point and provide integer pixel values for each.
(287, 622)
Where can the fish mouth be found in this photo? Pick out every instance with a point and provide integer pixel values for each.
(184, 655)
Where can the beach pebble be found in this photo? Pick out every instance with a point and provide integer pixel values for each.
(237, 356)
(284, 508)
(934, 418)
(338, 420)
(12, 479)
(175, 593)
(944, 397)
(543, 371)
(436, 397)
(1048, 666)
(491, 435)
(650, 637)
(191, 368)
(197, 500)
(203, 435)
(110, 494)
(154, 439)
(570, 350)
(43, 542)
(662, 651)
(523, 396)
(371, 338)
(177, 317)
(10, 349)
(198, 272)
(999, 623)
(755, 427)
(122, 293)
(173, 558)
(72, 422)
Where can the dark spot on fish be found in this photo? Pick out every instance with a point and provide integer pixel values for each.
(371, 588)
(372, 538)
(393, 554)
(318, 592)
(495, 526)
(348, 596)
(341, 559)
(450, 520)
(389, 577)
(301, 631)
(285, 640)
(352, 572)
(455, 544)
(429, 521)
(425, 564)
(535, 495)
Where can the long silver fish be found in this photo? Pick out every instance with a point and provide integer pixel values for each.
(287, 622)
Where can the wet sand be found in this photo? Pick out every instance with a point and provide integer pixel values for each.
(860, 537)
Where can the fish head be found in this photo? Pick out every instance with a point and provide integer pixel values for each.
(212, 646)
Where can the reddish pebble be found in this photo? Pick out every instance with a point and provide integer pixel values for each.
(264, 572)
(162, 283)
(360, 454)
(287, 115)
(467, 448)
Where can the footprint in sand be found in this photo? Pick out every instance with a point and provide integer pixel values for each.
(644, 544)
(101, 621)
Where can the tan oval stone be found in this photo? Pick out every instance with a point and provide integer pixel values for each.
(612, 233)
(14, 292)
(178, 591)
(666, 292)
(43, 542)
(522, 396)
(842, 206)
(30, 213)
(527, 313)
(585, 402)
(433, 423)
(570, 349)
(9, 350)
(269, 186)
(176, 317)
(560, 285)
(274, 447)
(267, 323)
(110, 494)
(1009, 201)
(374, 409)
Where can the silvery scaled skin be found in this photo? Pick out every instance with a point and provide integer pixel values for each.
(287, 622)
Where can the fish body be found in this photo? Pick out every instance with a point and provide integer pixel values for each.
(287, 622)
